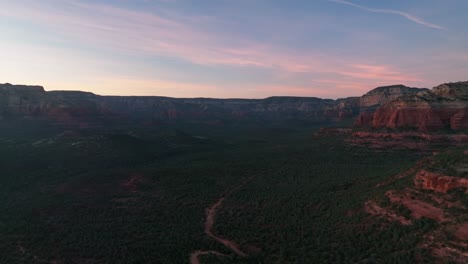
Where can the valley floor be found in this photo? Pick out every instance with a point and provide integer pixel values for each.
(147, 196)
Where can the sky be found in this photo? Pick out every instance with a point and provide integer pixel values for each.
(232, 49)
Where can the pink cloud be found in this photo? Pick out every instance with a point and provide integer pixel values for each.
(379, 72)
(136, 31)
(147, 34)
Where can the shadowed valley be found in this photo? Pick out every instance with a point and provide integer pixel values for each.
(380, 178)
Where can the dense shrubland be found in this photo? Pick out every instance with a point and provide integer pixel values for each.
(140, 197)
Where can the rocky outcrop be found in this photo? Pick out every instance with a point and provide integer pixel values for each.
(439, 183)
(439, 216)
(453, 91)
(443, 107)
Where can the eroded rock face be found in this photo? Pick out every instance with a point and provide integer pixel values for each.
(459, 121)
(346, 107)
(20, 99)
(385, 94)
(372, 100)
(444, 107)
(452, 90)
(439, 183)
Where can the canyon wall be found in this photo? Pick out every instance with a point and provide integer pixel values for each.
(34, 102)
(397, 107)
(443, 107)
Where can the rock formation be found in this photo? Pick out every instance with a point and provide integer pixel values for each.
(66, 106)
(394, 107)
(442, 209)
(443, 107)
(345, 107)
(439, 183)
(379, 96)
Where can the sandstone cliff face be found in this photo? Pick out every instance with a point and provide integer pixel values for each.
(385, 94)
(20, 99)
(459, 121)
(443, 107)
(372, 100)
(346, 107)
(439, 183)
(452, 91)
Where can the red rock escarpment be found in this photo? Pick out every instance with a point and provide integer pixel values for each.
(439, 183)
(423, 117)
(443, 107)
(385, 94)
(18, 101)
(379, 96)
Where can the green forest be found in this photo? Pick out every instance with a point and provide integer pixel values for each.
(140, 196)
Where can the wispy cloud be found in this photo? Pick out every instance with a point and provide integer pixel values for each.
(379, 72)
(393, 12)
(187, 38)
(142, 34)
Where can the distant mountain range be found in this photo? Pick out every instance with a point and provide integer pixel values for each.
(395, 107)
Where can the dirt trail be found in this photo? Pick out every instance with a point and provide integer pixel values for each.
(209, 223)
(194, 257)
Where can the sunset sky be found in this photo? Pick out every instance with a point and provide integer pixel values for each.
(232, 48)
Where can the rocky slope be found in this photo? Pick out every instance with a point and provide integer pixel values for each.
(430, 200)
(443, 107)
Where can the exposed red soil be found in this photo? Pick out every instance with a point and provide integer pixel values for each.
(444, 252)
(210, 220)
(195, 256)
(418, 208)
(373, 209)
(461, 231)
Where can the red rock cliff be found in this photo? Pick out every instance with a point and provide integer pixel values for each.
(372, 100)
(444, 107)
